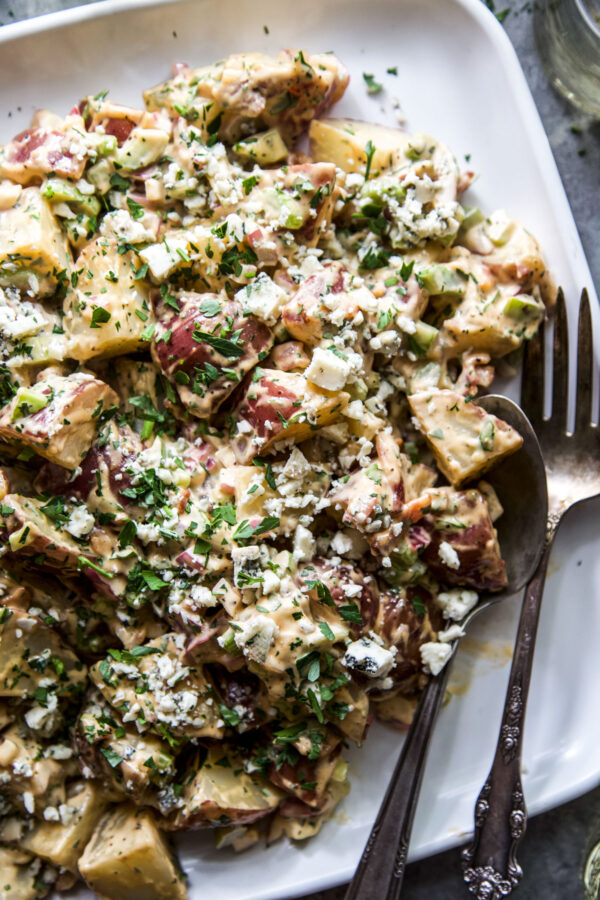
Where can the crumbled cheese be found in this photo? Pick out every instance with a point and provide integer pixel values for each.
(450, 634)
(456, 603)
(448, 555)
(263, 298)
(296, 466)
(368, 657)
(255, 636)
(434, 656)
(80, 522)
(245, 560)
(165, 256)
(40, 718)
(148, 532)
(270, 582)
(124, 227)
(202, 596)
(328, 370)
(304, 544)
(51, 814)
(341, 543)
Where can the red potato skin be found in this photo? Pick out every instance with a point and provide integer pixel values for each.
(180, 356)
(361, 498)
(242, 688)
(481, 565)
(291, 777)
(303, 315)
(39, 151)
(119, 128)
(401, 626)
(111, 462)
(262, 408)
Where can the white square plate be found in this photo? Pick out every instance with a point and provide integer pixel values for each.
(459, 79)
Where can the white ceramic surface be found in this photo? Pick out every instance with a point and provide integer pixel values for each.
(458, 78)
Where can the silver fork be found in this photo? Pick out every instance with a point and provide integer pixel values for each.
(572, 460)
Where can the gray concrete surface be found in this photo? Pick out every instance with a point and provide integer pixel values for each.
(553, 851)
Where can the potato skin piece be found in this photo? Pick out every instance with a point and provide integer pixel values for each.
(63, 430)
(31, 240)
(182, 357)
(281, 406)
(464, 438)
(219, 792)
(401, 625)
(474, 540)
(106, 282)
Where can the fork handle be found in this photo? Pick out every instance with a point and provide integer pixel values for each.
(381, 869)
(490, 867)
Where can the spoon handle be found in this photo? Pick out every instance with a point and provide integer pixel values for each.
(381, 869)
(490, 867)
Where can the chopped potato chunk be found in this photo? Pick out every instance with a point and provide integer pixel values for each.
(62, 842)
(33, 249)
(108, 313)
(128, 857)
(58, 417)
(465, 439)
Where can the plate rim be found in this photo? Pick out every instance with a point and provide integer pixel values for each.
(537, 137)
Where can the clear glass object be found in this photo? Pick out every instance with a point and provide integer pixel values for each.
(568, 38)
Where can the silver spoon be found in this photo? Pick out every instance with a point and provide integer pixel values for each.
(520, 482)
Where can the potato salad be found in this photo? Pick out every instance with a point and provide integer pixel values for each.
(241, 500)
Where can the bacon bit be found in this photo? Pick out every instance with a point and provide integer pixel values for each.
(465, 180)
(183, 499)
(414, 509)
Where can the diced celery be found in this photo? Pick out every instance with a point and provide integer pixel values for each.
(358, 390)
(425, 335)
(499, 230)
(57, 190)
(99, 175)
(473, 216)
(487, 434)
(229, 644)
(266, 148)
(438, 279)
(417, 146)
(143, 147)
(29, 401)
(522, 307)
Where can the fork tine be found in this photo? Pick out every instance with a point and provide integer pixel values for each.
(585, 361)
(560, 375)
(532, 379)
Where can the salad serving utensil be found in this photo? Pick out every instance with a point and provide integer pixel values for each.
(520, 482)
(572, 460)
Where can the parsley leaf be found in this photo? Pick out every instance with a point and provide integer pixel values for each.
(326, 631)
(373, 87)
(55, 510)
(224, 347)
(350, 613)
(112, 758)
(99, 317)
(135, 209)
(229, 716)
(370, 152)
(127, 534)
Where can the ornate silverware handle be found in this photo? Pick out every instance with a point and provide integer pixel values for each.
(381, 869)
(490, 867)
